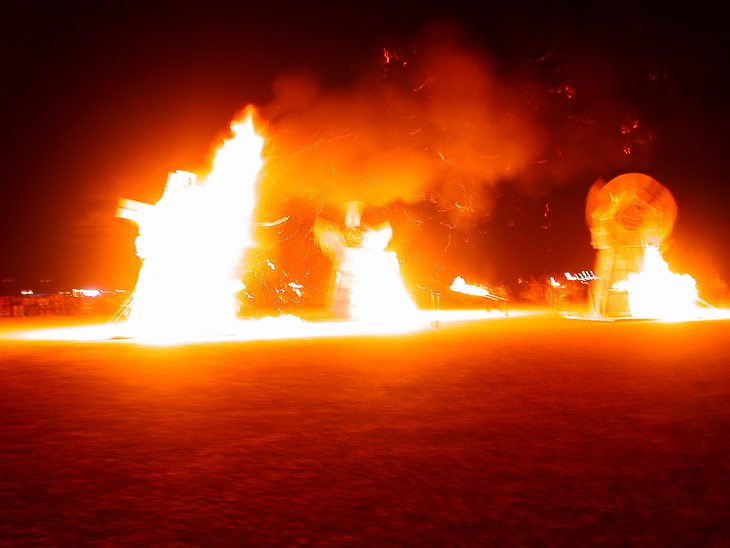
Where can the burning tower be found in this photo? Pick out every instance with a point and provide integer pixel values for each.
(625, 215)
(191, 242)
(366, 278)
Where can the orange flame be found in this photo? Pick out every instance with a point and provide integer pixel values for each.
(657, 293)
(460, 286)
(192, 240)
(377, 289)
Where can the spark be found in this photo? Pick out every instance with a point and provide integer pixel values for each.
(584, 119)
(428, 80)
(274, 223)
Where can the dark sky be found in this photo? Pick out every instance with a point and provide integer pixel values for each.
(101, 101)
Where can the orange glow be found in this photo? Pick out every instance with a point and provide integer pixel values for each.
(460, 286)
(191, 243)
(269, 328)
(656, 293)
(192, 240)
(377, 289)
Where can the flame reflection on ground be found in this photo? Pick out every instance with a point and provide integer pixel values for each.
(269, 328)
(292, 327)
(700, 314)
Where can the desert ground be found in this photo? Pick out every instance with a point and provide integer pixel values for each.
(530, 430)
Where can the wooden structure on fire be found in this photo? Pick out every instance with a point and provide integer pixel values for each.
(365, 281)
(335, 240)
(624, 215)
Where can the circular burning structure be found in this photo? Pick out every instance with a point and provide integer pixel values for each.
(625, 215)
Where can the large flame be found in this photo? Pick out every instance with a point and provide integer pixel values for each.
(192, 240)
(377, 290)
(657, 293)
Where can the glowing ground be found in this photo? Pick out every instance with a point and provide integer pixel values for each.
(527, 430)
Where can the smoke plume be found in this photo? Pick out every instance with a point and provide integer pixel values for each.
(430, 122)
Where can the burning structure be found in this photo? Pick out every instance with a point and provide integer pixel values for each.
(630, 217)
(366, 281)
(624, 215)
(191, 242)
(459, 285)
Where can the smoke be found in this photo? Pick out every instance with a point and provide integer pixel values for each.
(461, 151)
(430, 122)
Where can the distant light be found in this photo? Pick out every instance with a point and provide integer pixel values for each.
(584, 276)
(26, 292)
(86, 292)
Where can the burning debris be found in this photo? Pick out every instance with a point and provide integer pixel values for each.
(459, 285)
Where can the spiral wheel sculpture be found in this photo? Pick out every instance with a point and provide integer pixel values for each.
(625, 215)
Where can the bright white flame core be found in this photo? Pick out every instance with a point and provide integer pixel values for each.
(657, 293)
(460, 286)
(377, 288)
(191, 243)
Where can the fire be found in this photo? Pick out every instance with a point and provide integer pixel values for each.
(367, 281)
(460, 286)
(377, 290)
(192, 240)
(656, 293)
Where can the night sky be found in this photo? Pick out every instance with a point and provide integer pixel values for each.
(100, 102)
